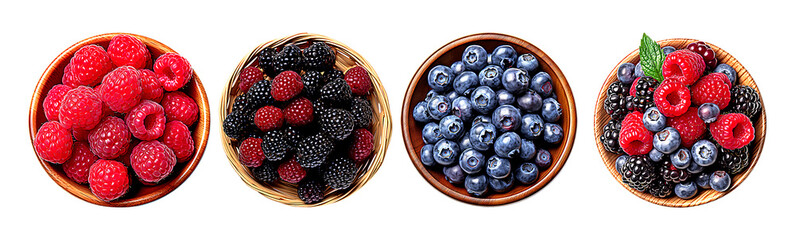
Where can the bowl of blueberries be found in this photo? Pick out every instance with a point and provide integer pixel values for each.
(488, 119)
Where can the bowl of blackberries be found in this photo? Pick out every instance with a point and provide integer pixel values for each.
(488, 119)
(679, 122)
(305, 120)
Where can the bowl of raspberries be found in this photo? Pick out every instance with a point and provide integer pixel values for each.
(679, 122)
(488, 119)
(119, 120)
(305, 120)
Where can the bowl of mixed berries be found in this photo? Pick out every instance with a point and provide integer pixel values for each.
(488, 119)
(119, 120)
(305, 120)
(679, 122)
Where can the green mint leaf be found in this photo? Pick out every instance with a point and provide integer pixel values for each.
(651, 58)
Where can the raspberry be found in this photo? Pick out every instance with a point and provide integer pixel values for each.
(339, 173)
(310, 191)
(286, 85)
(76, 168)
(634, 138)
(248, 77)
(121, 89)
(268, 118)
(80, 108)
(251, 154)
(299, 112)
(80, 135)
(126, 50)
(359, 80)
(178, 137)
(178, 106)
(146, 121)
(689, 125)
(672, 98)
(52, 102)
(151, 88)
(152, 161)
(712, 88)
(108, 179)
(683, 66)
(110, 139)
(361, 146)
(173, 71)
(87, 66)
(290, 171)
(632, 90)
(733, 130)
(53, 142)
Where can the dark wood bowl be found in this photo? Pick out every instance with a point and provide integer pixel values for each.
(703, 196)
(139, 194)
(451, 52)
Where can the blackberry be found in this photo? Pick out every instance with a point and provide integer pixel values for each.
(333, 74)
(616, 101)
(745, 100)
(259, 95)
(337, 123)
(266, 172)
(274, 145)
(671, 174)
(609, 136)
(336, 91)
(362, 112)
(290, 58)
(733, 161)
(320, 107)
(339, 172)
(313, 150)
(644, 95)
(313, 81)
(266, 58)
(661, 188)
(310, 191)
(293, 136)
(237, 124)
(638, 172)
(319, 56)
(243, 104)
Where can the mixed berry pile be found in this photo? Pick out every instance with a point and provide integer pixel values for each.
(301, 121)
(488, 119)
(110, 113)
(680, 121)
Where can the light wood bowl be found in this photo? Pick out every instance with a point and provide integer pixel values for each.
(139, 194)
(704, 196)
(450, 53)
(381, 127)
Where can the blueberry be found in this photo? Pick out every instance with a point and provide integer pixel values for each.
(668, 49)
(695, 168)
(452, 127)
(506, 118)
(508, 145)
(638, 71)
(445, 152)
(625, 73)
(497, 167)
(685, 190)
(471, 161)
(681, 159)
(708, 112)
(451, 95)
(426, 155)
(476, 184)
(462, 108)
(439, 106)
(551, 110)
(431, 133)
(504, 97)
(475, 57)
(501, 185)
(656, 155)
(504, 56)
(667, 140)
(527, 62)
(421, 113)
(515, 80)
(488, 60)
(481, 119)
(532, 126)
(728, 70)
(482, 136)
(702, 180)
(431, 93)
(528, 150)
(530, 101)
(465, 82)
(704, 153)
(543, 159)
(620, 161)
(483, 99)
(440, 78)
(454, 174)
(464, 142)
(458, 67)
(720, 181)
(491, 76)
(553, 133)
(542, 83)
(526, 173)
(653, 119)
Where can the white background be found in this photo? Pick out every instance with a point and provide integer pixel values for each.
(586, 39)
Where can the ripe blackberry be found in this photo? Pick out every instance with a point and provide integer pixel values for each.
(320, 107)
(644, 95)
(319, 56)
(661, 188)
(290, 58)
(313, 81)
(274, 145)
(242, 104)
(333, 74)
(616, 101)
(733, 161)
(745, 100)
(310, 191)
(293, 136)
(337, 123)
(336, 91)
(259, 94)
(671, 174)
(237, 124)
(313, 150)
(339, 172)
(609, 137)
(362, 112)
(267, 58)
(266, 172)
(638, 172)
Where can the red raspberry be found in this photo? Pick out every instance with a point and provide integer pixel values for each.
(290, 171)
(53, 142)
(268, 118)
(299, 112)
(76, 168)
(672, 98)
(87, 66)
(121, 89)
(110, 139)
(178, 137)
(683, 66)
(359, 80)
(80, 108)
(180, 107)
(248, 77)
(689, 125)
(52, 102)
(126, 50)
(634, 138)
(286, 85)
(80, 135)
(108, 179)
(361, 146)
(151, 88)
(173, 71)
(152, 161)
(712, 88)
(251, 154)
(146, 121)
(733, 130)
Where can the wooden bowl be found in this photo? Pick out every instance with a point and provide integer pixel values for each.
(138, 194)
(704, 196)
(451, 52)
(381, 126)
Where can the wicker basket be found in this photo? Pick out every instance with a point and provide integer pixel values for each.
(139, 194)
(381, 126)
(704, 196)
